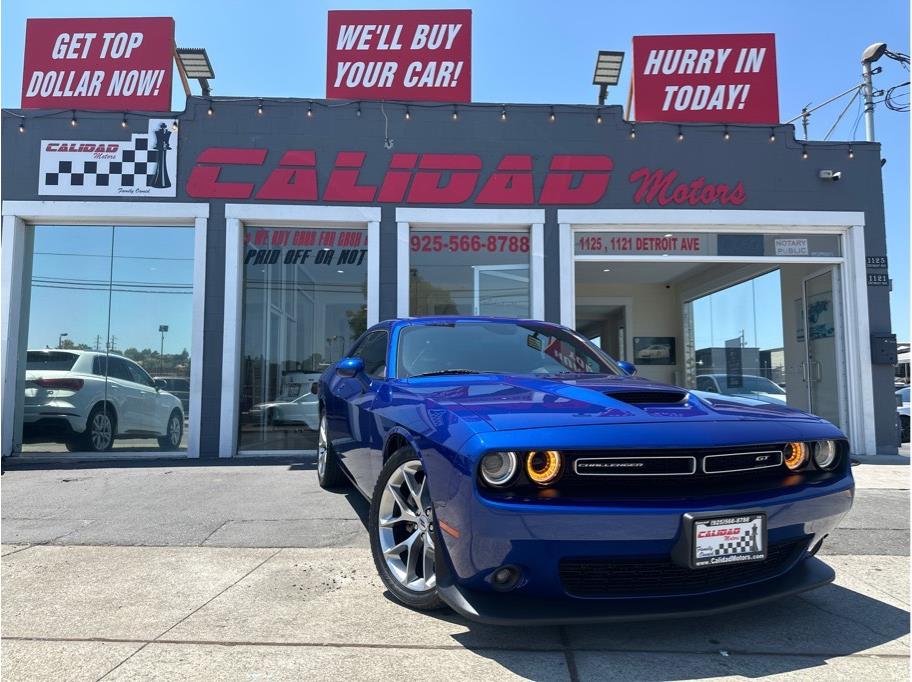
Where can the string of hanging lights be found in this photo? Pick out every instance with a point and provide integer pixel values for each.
(259, 106)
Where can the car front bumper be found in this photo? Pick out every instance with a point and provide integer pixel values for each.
(535, 540)
(497, 608)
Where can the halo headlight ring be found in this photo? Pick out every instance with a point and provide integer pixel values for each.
(543, 466)
(795, 455)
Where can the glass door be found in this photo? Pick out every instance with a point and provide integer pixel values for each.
(822, 369)
(501, 290)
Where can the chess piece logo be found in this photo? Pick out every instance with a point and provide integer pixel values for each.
(160, 179)
(754, 546)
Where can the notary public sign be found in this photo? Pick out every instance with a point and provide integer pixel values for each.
(410, 55)
(98, 64)
(706, 78)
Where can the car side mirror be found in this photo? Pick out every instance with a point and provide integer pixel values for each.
(628, 367)
(350, 367)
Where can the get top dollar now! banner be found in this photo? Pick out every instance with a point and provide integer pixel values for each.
(98, 64)
(706, 78)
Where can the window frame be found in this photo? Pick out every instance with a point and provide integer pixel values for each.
(386, 351)
(237, 218)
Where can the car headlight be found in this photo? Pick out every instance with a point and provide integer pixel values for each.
(796, 455)
(498, 468)
(825, 453)
(542, 467)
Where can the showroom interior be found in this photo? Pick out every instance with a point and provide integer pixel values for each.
(287, 235)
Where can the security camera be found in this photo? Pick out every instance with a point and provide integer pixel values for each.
(835, 176)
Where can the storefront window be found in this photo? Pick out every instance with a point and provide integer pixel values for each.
(470, 272)
(110, 316)
(305, 302)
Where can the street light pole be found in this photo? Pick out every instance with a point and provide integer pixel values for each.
(161, 353)
(868, 90)
(871, 54)
(60, 339)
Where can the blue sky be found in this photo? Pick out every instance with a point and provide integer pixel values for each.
(544, 52)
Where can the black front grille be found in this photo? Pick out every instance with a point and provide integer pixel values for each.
(648, 397)
(659, 577)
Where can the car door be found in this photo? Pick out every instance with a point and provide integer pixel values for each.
(355, 428)
(151, 406)
(126, 395)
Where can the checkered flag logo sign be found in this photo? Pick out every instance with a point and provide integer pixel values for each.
(747, 544)
(145, 165)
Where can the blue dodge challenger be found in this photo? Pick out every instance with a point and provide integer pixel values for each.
(518, 474)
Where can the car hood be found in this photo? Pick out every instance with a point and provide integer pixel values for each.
(507, 402)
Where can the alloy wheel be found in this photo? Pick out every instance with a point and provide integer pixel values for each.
(174, 430)
(322, 448)
(406, 528)
(100, 431)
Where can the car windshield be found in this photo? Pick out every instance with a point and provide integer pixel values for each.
(751, 384)
(50, 360)
(502, 347)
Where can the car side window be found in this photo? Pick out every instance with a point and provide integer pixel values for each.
(705, 384)
(372, 350)
(118, 369)
(139, 375)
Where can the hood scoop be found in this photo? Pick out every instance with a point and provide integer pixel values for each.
(658, 397)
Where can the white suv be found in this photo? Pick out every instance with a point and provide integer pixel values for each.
(70, 397)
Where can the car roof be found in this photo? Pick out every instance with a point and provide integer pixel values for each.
(751, 376)
(449, 319)
(76, 351)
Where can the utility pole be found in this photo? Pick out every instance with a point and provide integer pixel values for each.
(871, 54)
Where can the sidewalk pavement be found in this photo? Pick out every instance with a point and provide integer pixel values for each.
(74, 609)
(203, 613)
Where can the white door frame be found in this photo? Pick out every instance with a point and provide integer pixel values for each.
(18, 216)
(838, 324)
(237, 217)
(531, 221)
(849, 225)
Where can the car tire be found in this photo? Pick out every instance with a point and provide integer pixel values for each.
(174, 432)
(329, 470)
(410, 574)
(904, 428)
(101, 427)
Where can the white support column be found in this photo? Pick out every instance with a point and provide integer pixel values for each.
(567, 265)
(537, 270)
(231, 343)
(13, 257)
(402, 269)
(196, 342)
(373, 273)
(858, 346)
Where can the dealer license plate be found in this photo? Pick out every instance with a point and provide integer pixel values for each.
(729, 540)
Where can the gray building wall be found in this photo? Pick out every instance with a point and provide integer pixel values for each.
(774, 175)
